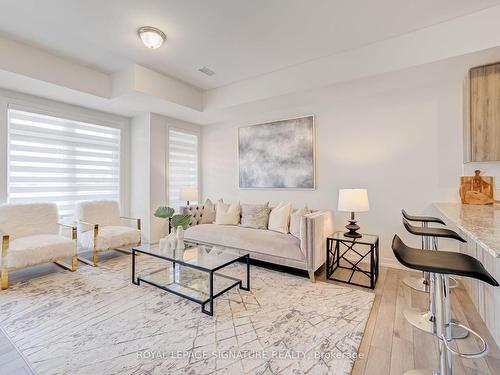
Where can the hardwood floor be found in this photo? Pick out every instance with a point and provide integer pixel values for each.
(11, 362)
(390, 345)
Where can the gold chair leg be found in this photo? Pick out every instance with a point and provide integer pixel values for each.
(94, 262)
(70, 267)
(5, 278)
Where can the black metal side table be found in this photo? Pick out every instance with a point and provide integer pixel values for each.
(366, 246)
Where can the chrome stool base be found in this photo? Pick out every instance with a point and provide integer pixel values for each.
(421, 320)
(417, 283)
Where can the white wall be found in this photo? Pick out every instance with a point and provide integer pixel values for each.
(404, 145)
(140, 173)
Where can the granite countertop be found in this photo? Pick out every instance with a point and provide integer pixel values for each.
(481, 223)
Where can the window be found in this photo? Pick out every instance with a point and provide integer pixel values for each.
(182, 164)
(58, 160)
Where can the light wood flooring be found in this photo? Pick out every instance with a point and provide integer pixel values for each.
(11, 362)
(390, 345)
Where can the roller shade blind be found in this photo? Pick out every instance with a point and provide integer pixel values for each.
(58, 160)
(182, 164)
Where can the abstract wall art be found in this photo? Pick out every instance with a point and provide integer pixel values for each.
(277, 155)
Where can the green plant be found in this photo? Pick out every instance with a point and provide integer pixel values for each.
(174, 220)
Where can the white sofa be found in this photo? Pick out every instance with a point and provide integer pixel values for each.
(31, 235)
(307, 253)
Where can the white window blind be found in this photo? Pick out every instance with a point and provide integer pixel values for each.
(58, 160)
(182, 164)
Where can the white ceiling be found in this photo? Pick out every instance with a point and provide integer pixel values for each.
(238, 39)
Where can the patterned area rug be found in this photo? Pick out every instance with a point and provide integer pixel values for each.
(95, 321)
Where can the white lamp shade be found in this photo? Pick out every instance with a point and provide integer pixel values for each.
(353, 200)
(188, 193)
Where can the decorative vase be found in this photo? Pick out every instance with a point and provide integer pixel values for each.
(172, 241)
(180, 245)
(168, 245)
(162, 244)
(179, 231)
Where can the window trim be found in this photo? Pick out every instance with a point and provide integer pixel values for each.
(23, 102)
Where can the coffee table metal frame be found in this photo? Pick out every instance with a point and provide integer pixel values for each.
(175, 262)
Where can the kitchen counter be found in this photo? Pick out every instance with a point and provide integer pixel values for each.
(480, 227)
(480, 223)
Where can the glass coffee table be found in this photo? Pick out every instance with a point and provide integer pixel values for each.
(192, 273)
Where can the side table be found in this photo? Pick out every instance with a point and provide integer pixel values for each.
(366, 247)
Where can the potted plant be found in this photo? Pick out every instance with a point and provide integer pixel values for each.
(174, 220)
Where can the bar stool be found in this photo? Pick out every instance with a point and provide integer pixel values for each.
(441, 264)
(423, 319)
(421, 283)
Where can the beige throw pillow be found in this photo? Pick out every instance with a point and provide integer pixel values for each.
(255, 215)
(227, 214)
(295, 219)
(208, 216)
(279, 218)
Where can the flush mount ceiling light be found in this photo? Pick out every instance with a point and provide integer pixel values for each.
(151, 36)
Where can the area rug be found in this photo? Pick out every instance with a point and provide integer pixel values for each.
(95, 321)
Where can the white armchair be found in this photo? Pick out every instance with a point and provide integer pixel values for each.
(100, 229)
(31, 235)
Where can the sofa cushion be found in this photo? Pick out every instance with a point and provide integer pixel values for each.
(110, 237)
(255, 215)
(227, 214)
(42, 248)
(254, 240)
(279, 218)
(295, 219)
(208, 216)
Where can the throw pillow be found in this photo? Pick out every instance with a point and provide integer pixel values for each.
(295, 219)
(255, 215)
(227, 214)
(208, 216)
(279, 218)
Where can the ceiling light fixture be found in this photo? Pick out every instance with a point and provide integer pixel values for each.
(151, 36)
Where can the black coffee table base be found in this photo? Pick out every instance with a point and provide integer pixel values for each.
(169, 279)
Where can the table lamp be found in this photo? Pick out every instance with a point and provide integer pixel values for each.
(188, 193)
(353, 200)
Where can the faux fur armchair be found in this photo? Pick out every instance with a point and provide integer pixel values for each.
(31, 235)
(100, 228)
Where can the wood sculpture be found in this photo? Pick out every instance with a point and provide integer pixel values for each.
(477, 189)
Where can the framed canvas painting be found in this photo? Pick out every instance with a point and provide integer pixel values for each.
(278, 155)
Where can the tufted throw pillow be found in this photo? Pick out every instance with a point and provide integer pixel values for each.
(295, 218)
(255, 215)
(208, 216)
(227, 214)
(279, 218)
